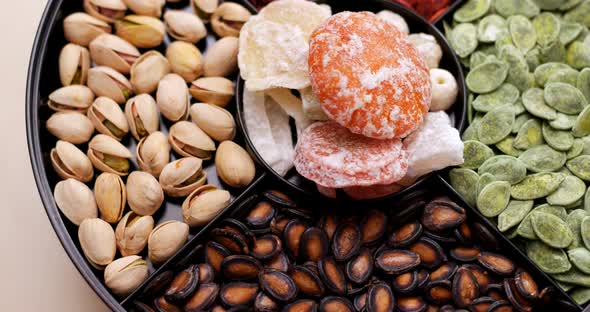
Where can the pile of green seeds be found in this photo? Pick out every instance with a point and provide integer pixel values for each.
(527, 147)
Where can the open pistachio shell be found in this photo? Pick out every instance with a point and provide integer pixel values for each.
(228, 19)
(75, 200)
(153, 153)
(132, 233)
(147, 71)
(204, 8)
(105, 81)
(71, 127)
(141, 31)
(75, 98)
(185, 60)
(114, 52)
(142, 115)
(81, 28)
(173, 97)
(74, 63)
(180, 177)
(108, 118)
(105, 10)
(222, 58)
(111, 196)
(124, 275)
(187, 139)
(109, 155)
(70, 162)
(184, 26)
(234, 165)
(213, 90)
(97, 240)
(203, 204)
(146, 7)
(166, 239)
(217, 122)
(144, 193)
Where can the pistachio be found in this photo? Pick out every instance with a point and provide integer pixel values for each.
(141, 31)
(108, 118)
(204, 8)
(144, 193)
(173, 98)
(213, 90)
(187, 139)
(124, 275)
(105, 10)
(234, 165)
(105, 81)
(228, 19)
(70, 162)
(153, 153)
(132, 233)
(81, 28)
(185, 59)
(74, 63)
(147, 71)
(75, 200)
(203, 204)
(109, 155)
(180, 177)
(146, 7)
(217, 122)
(72, 127)
(97, 240)
(114, 52)
(111, 196)
(166, 239)
(222, 57)
(184, 26)
(74, 98)
(142, 115)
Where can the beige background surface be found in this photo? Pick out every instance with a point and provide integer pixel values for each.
(35, 272)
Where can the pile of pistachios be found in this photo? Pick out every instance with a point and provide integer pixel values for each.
(116, 86)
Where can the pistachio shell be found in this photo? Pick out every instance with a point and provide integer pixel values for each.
(111, 196)
(147, 71)
(132, 233)
(75, 98)
(187, 139)
(204, 8)
(142, 116)
(114, 52)
(185, 60)
(74, 63)
(97, 240)
(166, 239)
(105, 10)
(234, 165)
(228, 19)
(70, 162)
(109, 155)
(105, 81)
(173, 97)
(144, 193)
(71, 127)
(75, 200)
(81, 28)
(153, 153)
(215, 121)
(141, 31)
(222, 58)
(203, 204)
(146, 7)
(108, 118)
(184, 26)
(124, 275)
(213, 90)
(181, 177)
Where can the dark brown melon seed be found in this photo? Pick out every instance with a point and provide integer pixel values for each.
(155, 286)
(481, 304)
(526, 285)
(300, 213)
(183, 285)
(423, 278)
(484, 236)
(191, 257)
(278, 224)
(261, 232)
(266, 247)
(515, 298)
(206, 273)
(264, 303)
(353, 289)
(482, 276)
(441, 237)
(439, 292)
(496, 263)
(465, 288)
(431, 254)
(162, 305)
(411, 304)
(240, 228)
(432, 308)
(260, 215)
(336, 304)
(444, 272)
(463, 233)
(233, 240)
(277, 285)
(405, 235)
(447, 308)
(440, 215)
(405, 283)
(464, 253)
(329, 223)
(280, 262)
(302, 305)
(218, 308)
(495, 291)
(359, 269)
(240, 267)
(332, 276)
(380, 298)
(501, 306)
(307, 281)
(360, 302)
(141, 307)
(238, 294)
(279, 198)
(397, 261)
(292, 236)
(346, 242)
(314, 244)
(203, 298)
(373, 227)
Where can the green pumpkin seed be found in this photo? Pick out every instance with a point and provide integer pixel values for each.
(486, 77)
(491, 28)
(518, 69)
(503, 41)
(511, 233)
(518, 108)
(448, 29)
(504, 168)
(578, 55)
(532, 59)
(537, 185)
(585, 231)
(573, 276)
(569, 192)
(580, 166)
(494, 198)
(563, 121)
(525, 228)
(575, 205)
(580, 258)
(464, 39)
(581, 295)
(568, 32)
(522, 32)
(587, 200)
(565, 171)
(472, 10)
(550, 260)
(546, 27)
(471, 132)
(558, 139)
(505, 94)
(508, 8)
(534, 102)
(582, 125)
(495, 125)
(579, 14)
(564, 98)
(574, 222)
(544, 71)
(586, 141)
(521, 120)
(569, 4)
(464, 181)
(475, 153)
(583, 83)
(529, 135)
(506, 146)
(542, 158)
(484, 180)
(514, 214)
(477, 58)
(576, 150)
(569, 76)
(548, 5)
(565, 286)
(551, 230)
(553, 52)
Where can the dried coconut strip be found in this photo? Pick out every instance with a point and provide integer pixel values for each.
(292, 106)
(311, 105)
(281, 133)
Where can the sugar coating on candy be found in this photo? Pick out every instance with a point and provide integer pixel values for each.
(332, 156)
(367, 77)
(311, 105)
(444, 89)
(395, 19)
(427, 47)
